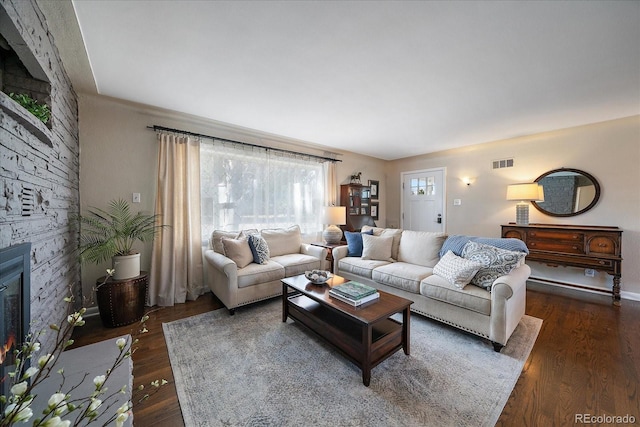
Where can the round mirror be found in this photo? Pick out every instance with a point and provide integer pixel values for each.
(567, 192)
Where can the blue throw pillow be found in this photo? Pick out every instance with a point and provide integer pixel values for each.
(354, 242)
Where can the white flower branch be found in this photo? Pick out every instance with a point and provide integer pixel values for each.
(28, 375)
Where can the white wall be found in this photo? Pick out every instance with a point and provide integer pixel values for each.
(610, 151)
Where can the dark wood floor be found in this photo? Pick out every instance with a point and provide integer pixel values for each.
(586, 360)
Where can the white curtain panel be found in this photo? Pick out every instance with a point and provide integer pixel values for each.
(176, 261)
(331, 184)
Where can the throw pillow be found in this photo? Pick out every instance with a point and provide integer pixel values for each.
(395, 232)
(496, 262)
(238, 251)
(376, 230)
(216, 239)
(420, 247)
(354, 242)
(248, 232)
(456, 270)
(377, 247)
(259, 249)
(283, 241)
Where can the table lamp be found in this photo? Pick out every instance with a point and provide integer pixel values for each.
(334, 216)
(524, 193)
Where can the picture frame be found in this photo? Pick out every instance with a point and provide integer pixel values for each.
(374, 210)
(375, 189)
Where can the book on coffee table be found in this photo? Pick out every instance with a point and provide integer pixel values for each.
(354, 302)
(354, 290)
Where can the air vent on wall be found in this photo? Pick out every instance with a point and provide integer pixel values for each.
(502, 163)
(28, 202)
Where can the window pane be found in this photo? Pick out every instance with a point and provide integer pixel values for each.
(422, 186)
(431, 186)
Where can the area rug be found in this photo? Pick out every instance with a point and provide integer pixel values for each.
(251, 369)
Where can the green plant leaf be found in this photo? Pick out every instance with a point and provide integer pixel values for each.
(111, 232)
(40, 111)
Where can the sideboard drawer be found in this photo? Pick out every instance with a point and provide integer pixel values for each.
(603, 245)
(556, 246)
(555, 235)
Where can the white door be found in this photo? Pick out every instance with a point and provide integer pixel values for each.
(423, 200)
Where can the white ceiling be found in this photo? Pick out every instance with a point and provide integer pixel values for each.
(385, 79)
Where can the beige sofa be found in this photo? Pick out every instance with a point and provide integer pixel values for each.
(236, 279)
(404, 265)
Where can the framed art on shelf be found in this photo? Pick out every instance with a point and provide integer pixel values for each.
(374, 210)
(375, 189)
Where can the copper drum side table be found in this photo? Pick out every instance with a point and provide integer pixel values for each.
(121, 302)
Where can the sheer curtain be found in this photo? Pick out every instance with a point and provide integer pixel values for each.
(252, 187)
(176, 260)
(331, 184)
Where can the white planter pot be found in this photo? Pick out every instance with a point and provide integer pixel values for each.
(126, 266)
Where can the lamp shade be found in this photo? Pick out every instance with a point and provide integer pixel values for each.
(335, 215)
(525, 192)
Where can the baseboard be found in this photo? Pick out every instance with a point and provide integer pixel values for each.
(632, 296)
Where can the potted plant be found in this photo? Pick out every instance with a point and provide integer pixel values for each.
(39, 110)
(110, 234)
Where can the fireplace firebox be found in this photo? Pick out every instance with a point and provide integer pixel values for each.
(15, 313)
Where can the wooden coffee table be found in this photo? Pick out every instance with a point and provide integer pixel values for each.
(366, 335)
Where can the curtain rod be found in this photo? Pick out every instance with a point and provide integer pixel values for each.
(185, 132)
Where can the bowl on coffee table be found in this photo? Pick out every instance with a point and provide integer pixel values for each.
(317, 277)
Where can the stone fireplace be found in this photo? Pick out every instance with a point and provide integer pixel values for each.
(15, 312)
(39, 177)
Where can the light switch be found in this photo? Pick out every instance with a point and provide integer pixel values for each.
(136, 197)
(457, 202)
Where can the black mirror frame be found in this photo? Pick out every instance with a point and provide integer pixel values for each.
(581, 172)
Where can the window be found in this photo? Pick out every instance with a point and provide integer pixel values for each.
(423, 186)
(250, 187)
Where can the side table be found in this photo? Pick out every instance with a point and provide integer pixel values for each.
(121, 302)
(329, 247)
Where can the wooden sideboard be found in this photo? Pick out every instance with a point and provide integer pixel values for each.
(595, 247)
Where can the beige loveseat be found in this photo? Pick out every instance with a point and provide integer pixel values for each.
(403, 262)
(237, 277)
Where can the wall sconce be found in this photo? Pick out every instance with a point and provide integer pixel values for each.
(467, 180)
(524, 193)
